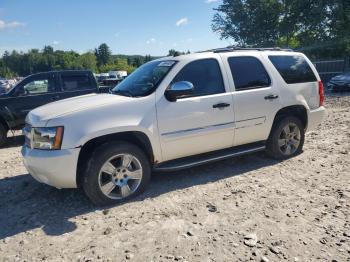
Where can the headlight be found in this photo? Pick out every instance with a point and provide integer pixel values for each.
(47, 138)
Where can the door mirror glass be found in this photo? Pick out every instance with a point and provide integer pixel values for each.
(178, 90)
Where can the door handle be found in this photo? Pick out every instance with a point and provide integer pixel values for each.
(221, 105)
(271, 97)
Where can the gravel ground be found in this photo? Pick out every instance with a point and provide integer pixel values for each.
(248, 208)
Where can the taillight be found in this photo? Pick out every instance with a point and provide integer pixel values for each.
(321, 92)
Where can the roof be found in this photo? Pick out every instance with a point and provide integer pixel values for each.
(63, 71)
(234, 48)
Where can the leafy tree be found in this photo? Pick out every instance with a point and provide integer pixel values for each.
(48, 49)
(103, 54)
(311, 25)
(129, 61)
(173, 52)
(248, 23)
(137, 62)
(147, 58)
(87, 60)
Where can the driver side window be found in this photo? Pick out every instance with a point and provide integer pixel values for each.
(38, 86)
(205, 75)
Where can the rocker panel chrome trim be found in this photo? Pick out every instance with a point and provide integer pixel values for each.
(209, 160)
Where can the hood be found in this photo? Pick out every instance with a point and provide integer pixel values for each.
(42, 114)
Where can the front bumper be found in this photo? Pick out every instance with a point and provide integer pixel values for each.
(57, 168)
(315, 117)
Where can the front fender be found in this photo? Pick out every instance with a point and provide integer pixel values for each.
(152, 137)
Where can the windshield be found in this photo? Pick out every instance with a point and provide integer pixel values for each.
(145, 79)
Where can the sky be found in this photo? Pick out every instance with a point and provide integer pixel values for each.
(127, 26)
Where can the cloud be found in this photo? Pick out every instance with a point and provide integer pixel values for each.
(211, 1)
(151, 41)
(56, 42)
(10, 25)
(182, 21)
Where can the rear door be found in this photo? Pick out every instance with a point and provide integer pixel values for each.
(76, 84)
(32, 92)
(255, 98)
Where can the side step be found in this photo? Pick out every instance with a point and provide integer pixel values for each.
(191, 161)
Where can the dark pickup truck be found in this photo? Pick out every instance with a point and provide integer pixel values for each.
(39, 89)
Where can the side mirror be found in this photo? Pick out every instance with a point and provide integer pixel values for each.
(179, 89)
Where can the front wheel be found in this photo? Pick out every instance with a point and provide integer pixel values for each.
(116, 172)
(286, 139)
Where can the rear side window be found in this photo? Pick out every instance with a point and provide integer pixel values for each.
(293, 69)
(248, 73)
(205, 75)
(75, 82)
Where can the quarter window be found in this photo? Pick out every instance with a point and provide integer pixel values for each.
(205, 75)
(293, 69)
(75, 82)
(248, 73)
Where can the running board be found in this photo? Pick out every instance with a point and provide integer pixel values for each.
(191, 161)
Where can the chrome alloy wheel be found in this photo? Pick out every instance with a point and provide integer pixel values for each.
(120, 176)
(289, 139)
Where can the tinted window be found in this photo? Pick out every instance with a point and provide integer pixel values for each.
(75, 82)
(205, 75)
(293, 69)
(248, 73)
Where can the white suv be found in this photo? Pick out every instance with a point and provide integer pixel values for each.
(175, 113)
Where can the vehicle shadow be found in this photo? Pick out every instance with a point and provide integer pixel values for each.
(26, 204)
(13, 141)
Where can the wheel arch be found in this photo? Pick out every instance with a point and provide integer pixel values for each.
(298, 111)
(137, 138)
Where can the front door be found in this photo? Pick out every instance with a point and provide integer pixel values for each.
(31, 93)
(201, 122)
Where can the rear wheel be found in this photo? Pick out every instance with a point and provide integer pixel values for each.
(286, 139)
(116, 172)
(3, 134)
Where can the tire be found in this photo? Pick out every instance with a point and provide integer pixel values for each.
(115, 173)
(282, 145)
(3, 135)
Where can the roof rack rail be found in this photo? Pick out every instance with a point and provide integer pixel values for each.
(235, 48)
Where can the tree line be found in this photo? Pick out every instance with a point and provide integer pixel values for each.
(319, 28)
(99, 60)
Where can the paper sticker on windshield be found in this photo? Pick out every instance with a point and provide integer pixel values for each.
(167, 63)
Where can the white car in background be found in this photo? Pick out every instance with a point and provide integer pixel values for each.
(175, 113)
(118, 74)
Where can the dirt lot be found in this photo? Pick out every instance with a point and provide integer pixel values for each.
(248, 208)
